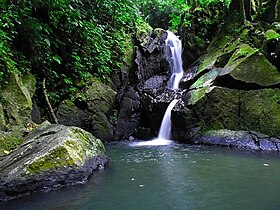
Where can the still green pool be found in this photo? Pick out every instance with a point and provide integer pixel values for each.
(174, 176)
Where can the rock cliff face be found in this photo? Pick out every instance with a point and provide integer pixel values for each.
(233, 92)
(16, 101)
(50, 157)
(141, 102)
(15, 110)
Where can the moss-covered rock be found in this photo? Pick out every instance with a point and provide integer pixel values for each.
(101, 127)
(71, 115)
(143, 31)
(9, 142)
(271, 34)
(51, 156)
(99, 97)
(15, 100)
(223, 108)
(255, 69)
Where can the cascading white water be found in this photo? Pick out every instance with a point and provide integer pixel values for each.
(176, 60)
(176, 75)
(165, 128)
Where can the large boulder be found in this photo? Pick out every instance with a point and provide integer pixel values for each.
(224, 108)
(151, 57)
(70, 114)
(51, 157)
(90, 110)
(99, 97)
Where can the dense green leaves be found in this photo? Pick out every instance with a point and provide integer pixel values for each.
(66, 41)
(70, 41)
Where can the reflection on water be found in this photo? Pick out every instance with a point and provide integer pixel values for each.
(174, 176)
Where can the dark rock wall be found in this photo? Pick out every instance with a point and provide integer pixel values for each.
(144, 101)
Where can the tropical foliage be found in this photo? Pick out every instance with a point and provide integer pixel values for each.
(67, 42)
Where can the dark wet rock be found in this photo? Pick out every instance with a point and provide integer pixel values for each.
(101, 127)
(150, 57)
(36, 115)
(240, 139)
(188, 78)
(129, 115)
(267, 145)
(234, 138)
(143, 133)
(146, 94)
(52, 156)
(154, 85)
(71, 115)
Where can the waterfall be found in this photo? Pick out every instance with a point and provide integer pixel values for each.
(165, 128)
(176, 75)
(176, 60)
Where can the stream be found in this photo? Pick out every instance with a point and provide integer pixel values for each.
(173, 176)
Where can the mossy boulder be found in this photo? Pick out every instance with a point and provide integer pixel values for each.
(71, 115)
(90, 110)
(99, 97)
(242, 63)
(224, 108)
(16, 100)
(50, 157)
(254, 69)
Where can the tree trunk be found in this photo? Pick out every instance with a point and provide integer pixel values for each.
(237, 6)
(248, 8)
(49, 106)
(277, 11)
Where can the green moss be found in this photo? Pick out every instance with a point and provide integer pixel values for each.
(224, 108)
(256, 69)
(143, 31)
(261, 111)
(9, 143)
(224, 46)
(205, 80)
(240, 54)
(218, 110)
(271, 34)
(196, 95)
(88, 140)
(128, 57)
(59, 157)
(16, 100)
